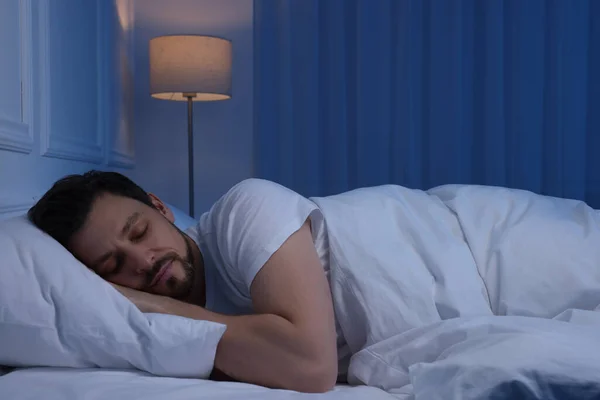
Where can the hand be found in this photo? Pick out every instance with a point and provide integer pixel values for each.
(145, 302)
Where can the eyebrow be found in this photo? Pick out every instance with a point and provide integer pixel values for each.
(130, 222)
(126, 228)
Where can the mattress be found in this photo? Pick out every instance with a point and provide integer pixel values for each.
(98, 384)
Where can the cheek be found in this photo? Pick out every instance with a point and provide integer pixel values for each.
(159, 234)
(167, 237)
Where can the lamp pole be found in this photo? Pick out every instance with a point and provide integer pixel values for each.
(190, 103)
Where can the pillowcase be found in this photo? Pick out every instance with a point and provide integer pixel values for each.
(56, 312)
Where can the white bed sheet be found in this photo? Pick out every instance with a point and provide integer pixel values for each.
(100, 384)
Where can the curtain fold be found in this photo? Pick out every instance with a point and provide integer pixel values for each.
(352, 93)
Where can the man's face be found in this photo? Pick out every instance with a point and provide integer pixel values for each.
(131, 244)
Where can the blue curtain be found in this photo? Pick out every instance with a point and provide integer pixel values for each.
(352, 93)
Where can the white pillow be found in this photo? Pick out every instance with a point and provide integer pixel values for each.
(56, 312)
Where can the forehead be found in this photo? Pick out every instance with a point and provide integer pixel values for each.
(106, 219)
(109, 212)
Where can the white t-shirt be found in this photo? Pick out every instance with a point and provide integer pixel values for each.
(240, 233)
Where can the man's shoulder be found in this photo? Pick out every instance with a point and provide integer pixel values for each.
(257, 187)
(254, 207)
(255, 194)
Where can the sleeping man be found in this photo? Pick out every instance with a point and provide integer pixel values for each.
(251, 264)
(273, 266)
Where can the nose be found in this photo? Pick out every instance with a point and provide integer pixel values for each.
(143, 260)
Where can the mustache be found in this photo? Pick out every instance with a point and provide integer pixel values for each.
(161, 262)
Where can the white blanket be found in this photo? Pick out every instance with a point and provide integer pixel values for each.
(437, 290)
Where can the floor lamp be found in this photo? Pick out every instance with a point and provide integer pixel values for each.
(190, 68)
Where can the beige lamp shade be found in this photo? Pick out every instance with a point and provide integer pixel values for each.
(190, 65)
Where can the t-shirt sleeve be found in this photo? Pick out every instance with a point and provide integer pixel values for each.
(251, 221)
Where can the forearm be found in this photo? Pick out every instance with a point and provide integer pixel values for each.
(264, 349)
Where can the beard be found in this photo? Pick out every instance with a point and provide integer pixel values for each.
(179, 288)
(182, 288)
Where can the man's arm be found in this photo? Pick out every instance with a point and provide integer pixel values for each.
(290, 342)
(293, 343)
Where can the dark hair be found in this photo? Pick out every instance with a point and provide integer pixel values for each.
(63, 209)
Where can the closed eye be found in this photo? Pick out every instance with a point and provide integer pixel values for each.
(120, 261)
(140, 235)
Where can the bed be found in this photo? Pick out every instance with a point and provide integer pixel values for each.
(472, 293)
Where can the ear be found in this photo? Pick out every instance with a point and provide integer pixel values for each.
(162, 208)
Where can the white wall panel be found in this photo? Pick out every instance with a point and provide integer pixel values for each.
(75, 112)
(74, 79)
(16, 133)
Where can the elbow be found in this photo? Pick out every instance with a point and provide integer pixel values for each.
(323, 383)
(320, 378)
(321, 372)
(327, 378)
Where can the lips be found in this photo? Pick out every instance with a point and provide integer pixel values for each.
(163, 270)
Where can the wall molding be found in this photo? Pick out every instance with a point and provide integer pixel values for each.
(18, 135)
(15, 136)
(117, 158)
(12, 207)
(53, 144)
